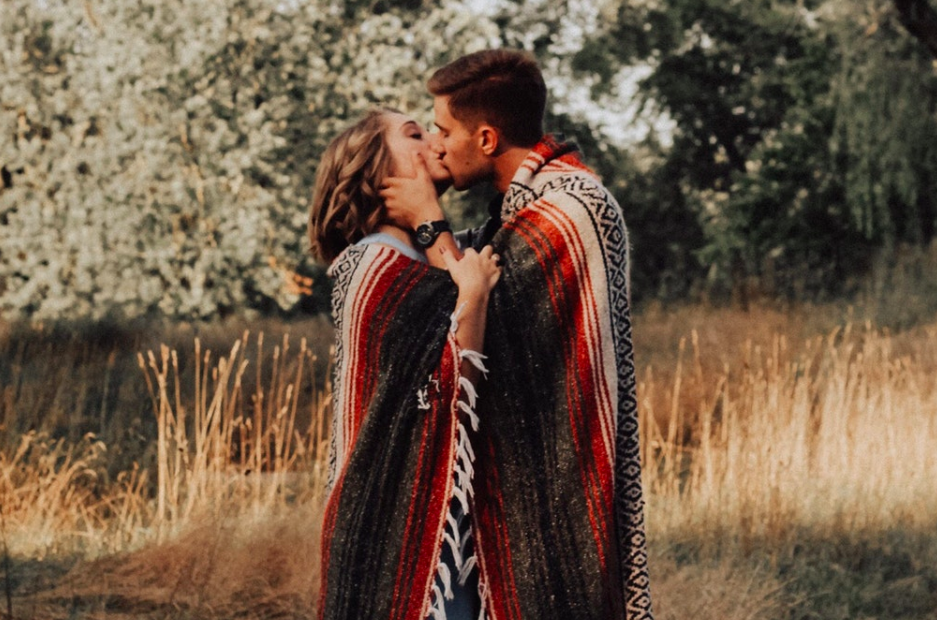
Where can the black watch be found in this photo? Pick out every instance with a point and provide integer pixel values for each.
(427, 233)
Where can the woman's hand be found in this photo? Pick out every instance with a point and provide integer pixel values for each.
(476, 273)
(410, 201)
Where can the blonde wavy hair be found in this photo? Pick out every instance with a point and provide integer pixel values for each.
(345, 202)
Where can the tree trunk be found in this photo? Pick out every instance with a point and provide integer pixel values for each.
(920, 19)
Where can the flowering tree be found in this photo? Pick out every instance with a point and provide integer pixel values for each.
(158, 154)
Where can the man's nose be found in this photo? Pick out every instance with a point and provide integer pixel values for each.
(435, 144)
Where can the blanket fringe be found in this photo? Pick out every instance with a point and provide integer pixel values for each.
(454, 318)
(477, 360)
(462, 491)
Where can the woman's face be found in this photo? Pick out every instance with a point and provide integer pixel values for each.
(404, 138)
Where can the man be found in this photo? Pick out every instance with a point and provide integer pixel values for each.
(558, 506)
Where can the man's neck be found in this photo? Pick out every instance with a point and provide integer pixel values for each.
(506, 165)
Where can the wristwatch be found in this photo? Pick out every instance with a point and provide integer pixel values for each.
(427, 232)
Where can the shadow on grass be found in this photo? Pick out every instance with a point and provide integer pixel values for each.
(885, 575)
(890, 575)
(224, 567)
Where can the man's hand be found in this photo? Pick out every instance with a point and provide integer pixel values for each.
(410, 201)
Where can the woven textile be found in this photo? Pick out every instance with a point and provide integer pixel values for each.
(400, 451)
(559, 508)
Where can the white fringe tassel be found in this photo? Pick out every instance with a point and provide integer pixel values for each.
(462, 490)
(454, 318)
(477, 360)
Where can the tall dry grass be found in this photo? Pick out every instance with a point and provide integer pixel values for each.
(837, 435)
(218, 448)
(251, 453)
(753, 429)
(224, 520)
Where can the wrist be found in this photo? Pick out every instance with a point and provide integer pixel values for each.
(474, 296)
(426, 233)
(429, 213)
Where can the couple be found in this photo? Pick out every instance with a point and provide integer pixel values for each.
(505, 485)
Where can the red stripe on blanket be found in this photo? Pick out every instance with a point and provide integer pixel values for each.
(578, 254)
(546, 151)
(491, 529)
(362, 306)
(403, 596)
(422, 545)
(557, 255)
(328, 529)
(386, 285)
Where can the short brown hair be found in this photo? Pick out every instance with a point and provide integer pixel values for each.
(503, 88)
(346, 205)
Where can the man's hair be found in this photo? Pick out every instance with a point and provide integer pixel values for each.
(346, 205)
(503, 88)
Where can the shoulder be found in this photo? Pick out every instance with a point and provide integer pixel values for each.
(385, 239)
(576, 205)
(572, 190)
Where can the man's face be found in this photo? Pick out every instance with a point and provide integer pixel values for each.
(460, 148)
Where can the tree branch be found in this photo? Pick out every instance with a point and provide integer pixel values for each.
(920, 19)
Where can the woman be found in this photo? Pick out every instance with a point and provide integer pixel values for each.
(396, 537)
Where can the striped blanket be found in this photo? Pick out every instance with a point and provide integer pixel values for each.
(559, 502)
(557, 512)
(400, 451)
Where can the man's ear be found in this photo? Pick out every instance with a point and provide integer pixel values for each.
(488, 139)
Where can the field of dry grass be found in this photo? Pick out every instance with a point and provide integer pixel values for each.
(177, 472)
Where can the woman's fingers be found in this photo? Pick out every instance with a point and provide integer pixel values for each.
(419, 166)
(449, 260)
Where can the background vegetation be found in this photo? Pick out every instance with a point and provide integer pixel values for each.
(164, 340)
(158, 156)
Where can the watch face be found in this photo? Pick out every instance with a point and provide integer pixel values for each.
(425, 234)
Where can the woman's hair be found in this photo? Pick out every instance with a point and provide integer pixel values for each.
(345, 202)
(503, 88)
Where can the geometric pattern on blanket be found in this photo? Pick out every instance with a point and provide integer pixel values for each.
(559, 501)
(400, 451)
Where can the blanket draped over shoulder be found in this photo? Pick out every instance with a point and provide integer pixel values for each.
(558, 505)
(396, 436)
(558, 497)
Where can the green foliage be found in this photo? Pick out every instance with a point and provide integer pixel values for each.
(159, 155)
(163, 152)
(804, 141)
(885, 138)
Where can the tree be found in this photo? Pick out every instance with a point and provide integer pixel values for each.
(804, 141)
(920, 18)
(163, 151)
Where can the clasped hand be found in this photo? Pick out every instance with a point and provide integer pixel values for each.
(476, 273)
